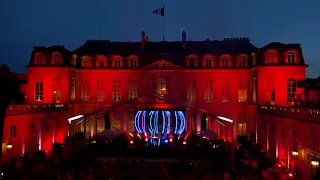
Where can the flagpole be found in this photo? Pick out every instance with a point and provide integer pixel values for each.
(163, 22)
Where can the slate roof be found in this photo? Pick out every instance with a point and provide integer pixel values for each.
(170, 51)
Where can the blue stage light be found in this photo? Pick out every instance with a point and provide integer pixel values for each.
(151, 124)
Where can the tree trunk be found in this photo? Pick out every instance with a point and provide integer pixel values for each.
(3, 110)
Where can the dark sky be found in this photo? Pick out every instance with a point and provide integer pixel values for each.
(25, 24)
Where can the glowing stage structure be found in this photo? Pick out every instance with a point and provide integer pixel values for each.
(159, 125)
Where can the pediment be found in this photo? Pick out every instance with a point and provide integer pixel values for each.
(162, 65)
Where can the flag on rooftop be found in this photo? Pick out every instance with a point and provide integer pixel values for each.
(159, 11)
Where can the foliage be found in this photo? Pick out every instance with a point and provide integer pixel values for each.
(9, 92)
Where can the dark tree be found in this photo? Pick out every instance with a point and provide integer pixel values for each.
(9, 93)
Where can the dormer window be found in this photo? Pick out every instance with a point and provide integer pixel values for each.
(291, 57)
(225, 61)
(270, 58)
(101, 62)
(243, 61)
(86, 62)
(57, 59)
(208, 62)
(133, 63)
(192, 62)
(39, 59)
(117, 63)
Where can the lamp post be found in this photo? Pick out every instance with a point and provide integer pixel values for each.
(70, 126)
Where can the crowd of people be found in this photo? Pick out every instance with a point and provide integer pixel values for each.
(76, 162)
(88, 168)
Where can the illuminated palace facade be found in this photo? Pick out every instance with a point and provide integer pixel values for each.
(230, 78)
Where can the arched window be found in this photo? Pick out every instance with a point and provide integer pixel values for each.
(291, 57)
(291, 89)
(270, 58)
(243, 61)
(162, 85)
(39, 59)
(86, 62)
(57, 59)
(209, 62)
(192, 62)
(117, 63)
(133, 63)
(100, 62)
(225, 61)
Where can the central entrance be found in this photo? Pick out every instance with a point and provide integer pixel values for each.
(160, 125)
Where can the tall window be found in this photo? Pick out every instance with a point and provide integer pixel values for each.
(13, 131)
(191, 91)
(133, 93)
(291, 89)
(56, 95)
(208, 94)
(85, 93)
(243, 61)
(116, 90)
(242, 129)
(271, 90)
(242, 92)
(56, 90)
(100, 91)
(270, 57)
(73, 88)
(39, 91)
(225, 61)
(254, 89)
(117, 63)
(161, 85)
(133, 63)
(209, 62)
(226, 93)
(291, 57)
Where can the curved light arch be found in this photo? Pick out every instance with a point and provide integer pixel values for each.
(151, 124)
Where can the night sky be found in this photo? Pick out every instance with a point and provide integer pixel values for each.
(25, 24)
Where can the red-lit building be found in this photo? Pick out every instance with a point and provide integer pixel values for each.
(230, 78)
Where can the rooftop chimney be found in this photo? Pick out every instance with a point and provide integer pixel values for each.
(184, 38)
(143, 39)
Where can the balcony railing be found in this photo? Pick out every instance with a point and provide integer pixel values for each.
(35, 108)
(290, 112)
